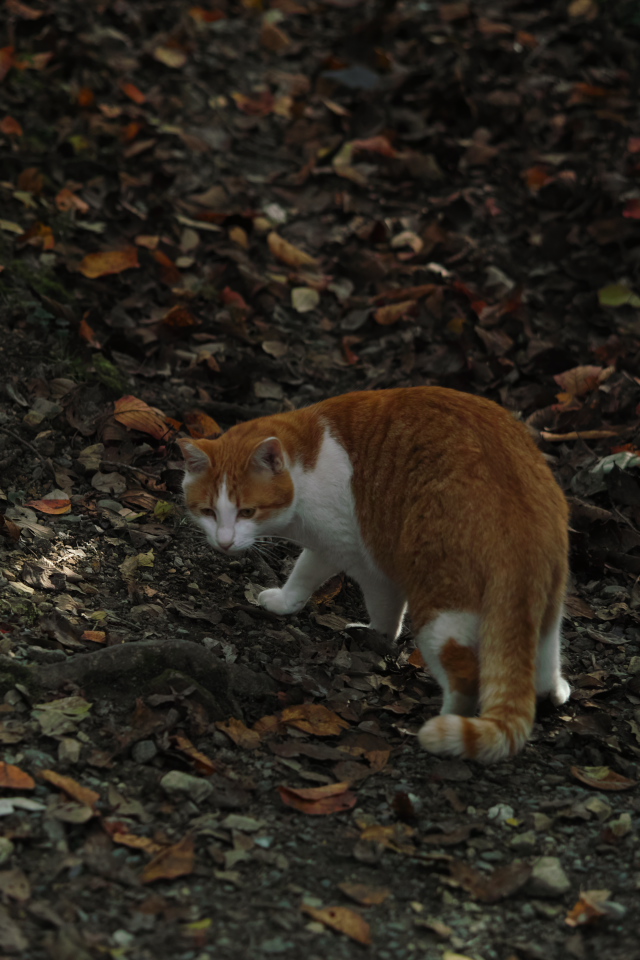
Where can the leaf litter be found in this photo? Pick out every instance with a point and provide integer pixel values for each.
(164, 275)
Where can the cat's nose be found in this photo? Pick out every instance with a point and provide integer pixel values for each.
(225, 544)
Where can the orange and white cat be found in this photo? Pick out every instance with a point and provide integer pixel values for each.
(428, 498)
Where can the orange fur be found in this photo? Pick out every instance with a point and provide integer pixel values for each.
(457, 507)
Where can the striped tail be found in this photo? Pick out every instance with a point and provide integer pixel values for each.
(508, 648)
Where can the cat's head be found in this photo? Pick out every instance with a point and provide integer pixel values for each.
(238, 487)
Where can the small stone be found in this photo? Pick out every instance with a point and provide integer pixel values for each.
(501, 812)
(548, 879)
(542, 822)
(622, 826)
(69, 750)
(143, 751)
(176, 782)
(6, 849)
(524, 842)
(634, 665)
(599, 808)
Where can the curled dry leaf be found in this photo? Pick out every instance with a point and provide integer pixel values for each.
(200, 760)
(319, 801)
(395, 836)
(109, 261)
(503, 882)
(200, 425)
(394, 312)
(288, 253)
(239, 733)
(579, 381)
(314, 718)
(95, 636)
(363, 893)
(343, 920)
(602, 778)
(138, 415)
(13, 778)
(134, 93)
(591, 906)
(175, 861)
(9, 529)
(50, 506)
(71, 787)
(136, 843)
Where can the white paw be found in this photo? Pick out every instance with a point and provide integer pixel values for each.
(276, 601)
(561, 693)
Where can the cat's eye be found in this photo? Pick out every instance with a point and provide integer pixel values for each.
(246, 513)
(208, 512)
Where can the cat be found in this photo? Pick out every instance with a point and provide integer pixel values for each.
(430, 499)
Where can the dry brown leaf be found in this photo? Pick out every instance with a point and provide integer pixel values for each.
(503, 882)
(602, 778)
(329, 590)
(13, 778)
(405, 293)
(67, 200)
(130, 90)
(95, 636)
(175, 861)
(50, 506)
(288, 253)
(314, 718)
(343, 920)
(319, 801)
(138, 415)
(9, 529)
(269, 726)
(239, 733)
(201, 761)
(172, 57)
(109, 261)
(179, 317)
(395, 836)
(589, 908)
(137, 843)
(10, 127)
(416, 659)
(363, 893)
(581, 380)
(71, 787)
(394, 312)
(169, 272)
(200, 425)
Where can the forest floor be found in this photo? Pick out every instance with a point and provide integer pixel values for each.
(208, 213)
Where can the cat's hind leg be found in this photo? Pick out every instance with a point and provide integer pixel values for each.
(549, 680)
(385, 604)
(310, 571)
(449, 645)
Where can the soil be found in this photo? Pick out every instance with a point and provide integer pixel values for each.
(213, 213)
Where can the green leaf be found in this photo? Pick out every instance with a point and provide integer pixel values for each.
(618, 295)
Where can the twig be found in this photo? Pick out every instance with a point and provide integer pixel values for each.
(128, 467)
(26, 443)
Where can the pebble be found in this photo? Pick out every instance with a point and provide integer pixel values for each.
(548, 879)
(69, 750)
(143, 751)
(524, 842)
(542, 822)
(6, 849)
(634, 665)
(501, 812)
(176, 782)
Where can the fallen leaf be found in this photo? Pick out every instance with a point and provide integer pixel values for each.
(590, 907)
(304, 299)
(50, 506)
(503, 882)
(394, 312)
(362, 893)
(138, 415)
(260, 106)
(134, 93)
(602, 778)
(175, 861)
(239, 733)
(319, 801)
(15, 884)
(20, 9)
(395, 836)
(135, 842)
(201, 425)
(342, 919)
(170, 273)
(203, 15)
(314, 718)
(171, 57)
(109, 261)
(579, 381)
(13, 778)
(6, 61)
(288, 253)
(200, 760)
(67, 200)
(416, 659)
(179, 317)
(95, 636)
(10, 127)
(71, 787)
(9, 529)
(618, 295)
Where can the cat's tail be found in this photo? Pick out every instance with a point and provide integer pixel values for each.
(507, 653)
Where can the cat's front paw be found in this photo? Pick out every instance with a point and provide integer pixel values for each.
(276, 601)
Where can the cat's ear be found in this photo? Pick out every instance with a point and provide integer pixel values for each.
(196, 459)
(269, 456)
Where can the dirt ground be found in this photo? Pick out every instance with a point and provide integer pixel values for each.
(209, 213)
